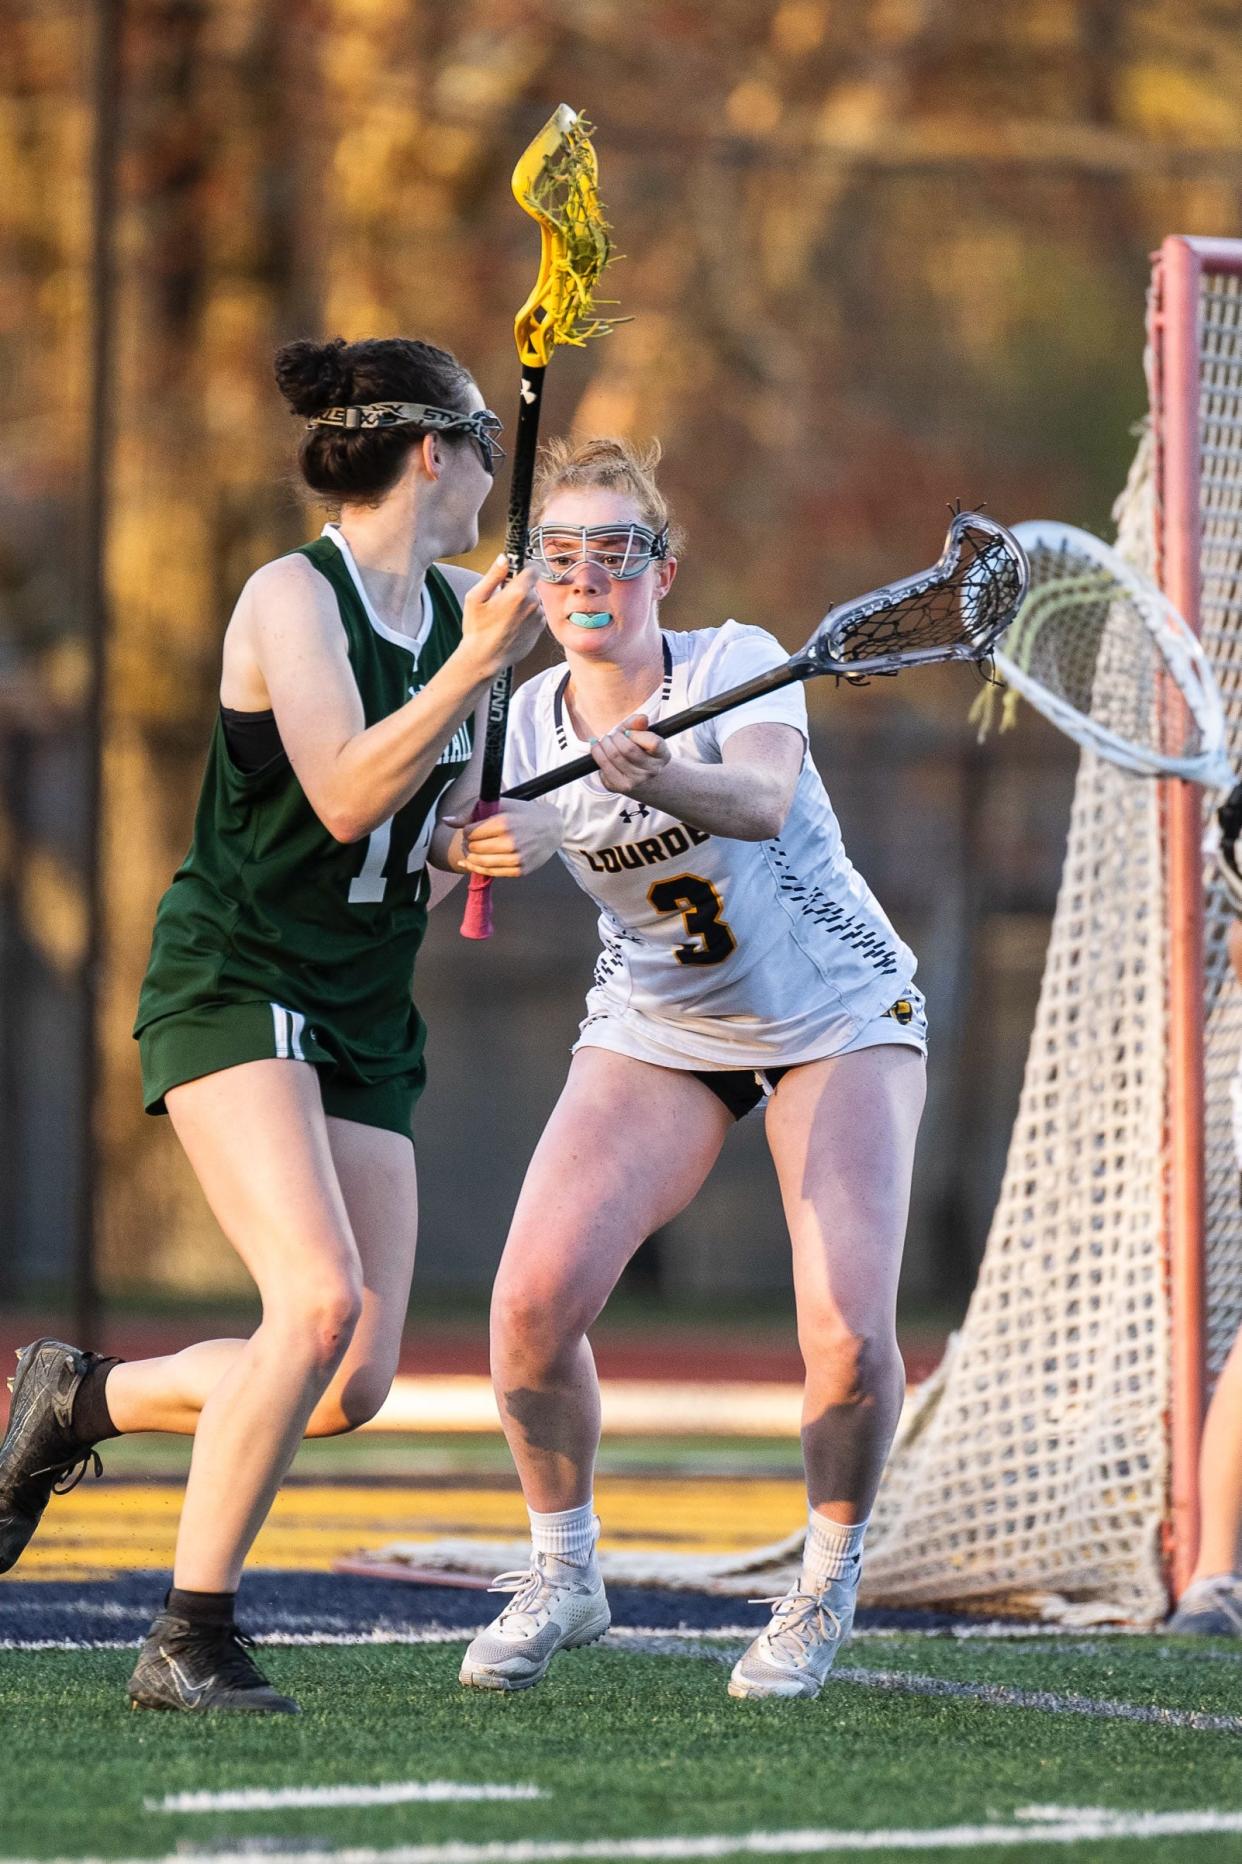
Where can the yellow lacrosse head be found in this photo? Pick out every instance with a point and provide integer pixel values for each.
(556, 182)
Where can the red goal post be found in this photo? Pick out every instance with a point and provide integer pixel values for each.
(1195, 366)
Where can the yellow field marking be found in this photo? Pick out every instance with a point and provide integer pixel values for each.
(100, 1530)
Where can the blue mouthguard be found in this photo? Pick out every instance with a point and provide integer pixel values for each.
(591, 618)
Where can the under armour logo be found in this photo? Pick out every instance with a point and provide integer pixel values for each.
(528, 393)
(635, 815)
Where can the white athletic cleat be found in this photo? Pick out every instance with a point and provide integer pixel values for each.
(556, 1605)
(796, 1651)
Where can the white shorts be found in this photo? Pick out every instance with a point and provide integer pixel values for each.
(904, 1022)
(893, 1025)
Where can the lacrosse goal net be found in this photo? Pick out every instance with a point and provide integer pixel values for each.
(1051, 1461)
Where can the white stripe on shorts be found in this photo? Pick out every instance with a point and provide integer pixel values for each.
(288, 1025)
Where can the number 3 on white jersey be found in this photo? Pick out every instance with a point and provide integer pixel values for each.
(701, 908)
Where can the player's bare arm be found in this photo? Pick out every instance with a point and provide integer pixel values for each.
(286, 649)
(747, 797)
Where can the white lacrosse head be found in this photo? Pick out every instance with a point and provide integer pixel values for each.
(1105, 656)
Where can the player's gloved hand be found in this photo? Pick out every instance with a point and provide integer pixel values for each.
(517, 840)
(501, 618)
(629, 756)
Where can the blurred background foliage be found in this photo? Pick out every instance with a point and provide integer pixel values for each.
(880, 254)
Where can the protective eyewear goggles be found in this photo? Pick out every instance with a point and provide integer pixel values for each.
(622, 551)
(481, 426)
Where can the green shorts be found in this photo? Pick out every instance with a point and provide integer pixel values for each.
(191, 1043)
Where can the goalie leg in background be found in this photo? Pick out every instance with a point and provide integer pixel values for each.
(1211, 1605)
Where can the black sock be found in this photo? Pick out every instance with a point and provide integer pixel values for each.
(201, 1608)
(89, 1419)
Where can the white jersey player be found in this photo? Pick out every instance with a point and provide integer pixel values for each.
(743, 958)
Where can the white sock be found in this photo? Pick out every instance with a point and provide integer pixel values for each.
(833, 1551)
(569, 1534)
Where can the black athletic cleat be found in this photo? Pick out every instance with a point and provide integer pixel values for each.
(199, 1667)
(40, 1455)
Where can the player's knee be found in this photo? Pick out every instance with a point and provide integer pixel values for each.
(852, 1361)
(320, 1324)
(338, 1314)
(531, 1329)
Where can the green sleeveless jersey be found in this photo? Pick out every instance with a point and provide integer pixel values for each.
(268, 907)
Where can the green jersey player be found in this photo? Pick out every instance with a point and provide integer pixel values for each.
(276, 1026)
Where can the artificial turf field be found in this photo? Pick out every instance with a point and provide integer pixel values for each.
(928, 1742)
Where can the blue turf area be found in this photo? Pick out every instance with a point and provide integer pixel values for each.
(309, 1604)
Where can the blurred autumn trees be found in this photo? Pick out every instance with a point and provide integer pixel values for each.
(879, 254)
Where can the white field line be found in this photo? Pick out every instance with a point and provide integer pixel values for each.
(1000, 1631)
(279, 1799)
(1035, 1826)
(269, 1639)
(637, 1636)
(1004, 1696)
(631, 1407)
(647, 1639)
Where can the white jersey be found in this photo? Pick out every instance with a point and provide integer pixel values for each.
(717, 953)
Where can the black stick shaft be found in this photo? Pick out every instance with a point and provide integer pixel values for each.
(525, 444)
(669, 727)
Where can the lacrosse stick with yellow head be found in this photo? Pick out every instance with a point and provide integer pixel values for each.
(556, 182)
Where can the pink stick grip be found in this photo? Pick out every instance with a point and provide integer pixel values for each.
(476, 921)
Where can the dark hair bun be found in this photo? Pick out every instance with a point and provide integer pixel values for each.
(364, 463)
(313, 376)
